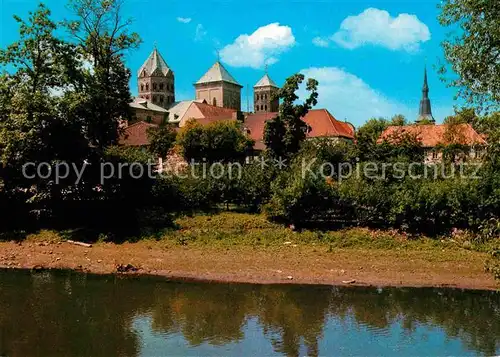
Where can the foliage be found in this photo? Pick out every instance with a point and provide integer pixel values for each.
(161, 139)
(61, 105)
(218, 141)
(472, 49)
(283, 134)
(367, 136)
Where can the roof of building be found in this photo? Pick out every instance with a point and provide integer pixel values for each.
(255, 125)
(266, 81)
(140, 103)
(155, 62)
(208, 110)
(433, 135)
(217, 73)
(177, 110)
(136, 134)
(320, 121)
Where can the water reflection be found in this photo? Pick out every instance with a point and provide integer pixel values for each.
(68, 314)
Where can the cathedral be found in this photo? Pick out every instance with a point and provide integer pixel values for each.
(217, 98)
(217, 87)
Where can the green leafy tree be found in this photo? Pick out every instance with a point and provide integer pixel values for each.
(161, 139)
(284, 134)
(103, 93)
(398, 120)
(31, 129)
(367, 136)
(462, 116)
(218, 141)
(473, 48)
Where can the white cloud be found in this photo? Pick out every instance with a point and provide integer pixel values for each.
(184, 20)
(349, 98)
(377, 27)
(320, 42)
(200, 32)
(261, 47)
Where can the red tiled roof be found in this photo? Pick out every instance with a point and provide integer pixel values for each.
(208, 110)
(136, 134)
(432, 135)
(255, 125)
(321, 122)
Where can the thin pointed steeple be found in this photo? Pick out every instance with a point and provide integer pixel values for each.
(425, 111)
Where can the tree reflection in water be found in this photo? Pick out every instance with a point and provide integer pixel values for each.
(64, 313)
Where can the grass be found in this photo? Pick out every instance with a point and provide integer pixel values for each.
(231, 229)
(240, 231)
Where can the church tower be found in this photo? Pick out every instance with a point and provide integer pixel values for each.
(219, 88)
(425, 111)
(156, 81)
(264, 100)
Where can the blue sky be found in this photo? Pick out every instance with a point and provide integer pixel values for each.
(367, 55)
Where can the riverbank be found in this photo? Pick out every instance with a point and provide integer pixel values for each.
(247, 249)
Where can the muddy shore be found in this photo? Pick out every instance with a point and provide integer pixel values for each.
(298, 265)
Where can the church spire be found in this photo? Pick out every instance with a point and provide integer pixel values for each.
(425, 111)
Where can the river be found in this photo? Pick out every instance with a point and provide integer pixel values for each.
(65, 313)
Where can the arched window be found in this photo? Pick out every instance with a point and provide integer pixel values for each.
(265, 106)
(154, 86)
(161, 99)
(265, 96)
(142, 87)
(161, 86)
(147, 86)
(214, 102)
(154, 98)
(261, 107)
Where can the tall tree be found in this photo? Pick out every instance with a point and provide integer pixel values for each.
(29, 121)
(102, 36)
(473, 49)
(284, 133)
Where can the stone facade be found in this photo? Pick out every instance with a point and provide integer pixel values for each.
(218, 88)
(160, 90)
(212, 93)
(264, 100)
(220, 94)
(156, 81)
(148, 116)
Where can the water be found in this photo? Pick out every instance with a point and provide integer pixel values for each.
(70, 314)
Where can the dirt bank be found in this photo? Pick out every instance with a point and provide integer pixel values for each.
(287, 264)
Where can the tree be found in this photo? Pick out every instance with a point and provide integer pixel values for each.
(473, 49)
(398, 120)
(161, 139)
(31, 129)
(462, 116)
(367, 136)
(102, 37)
(218, 141)
(284, 133)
